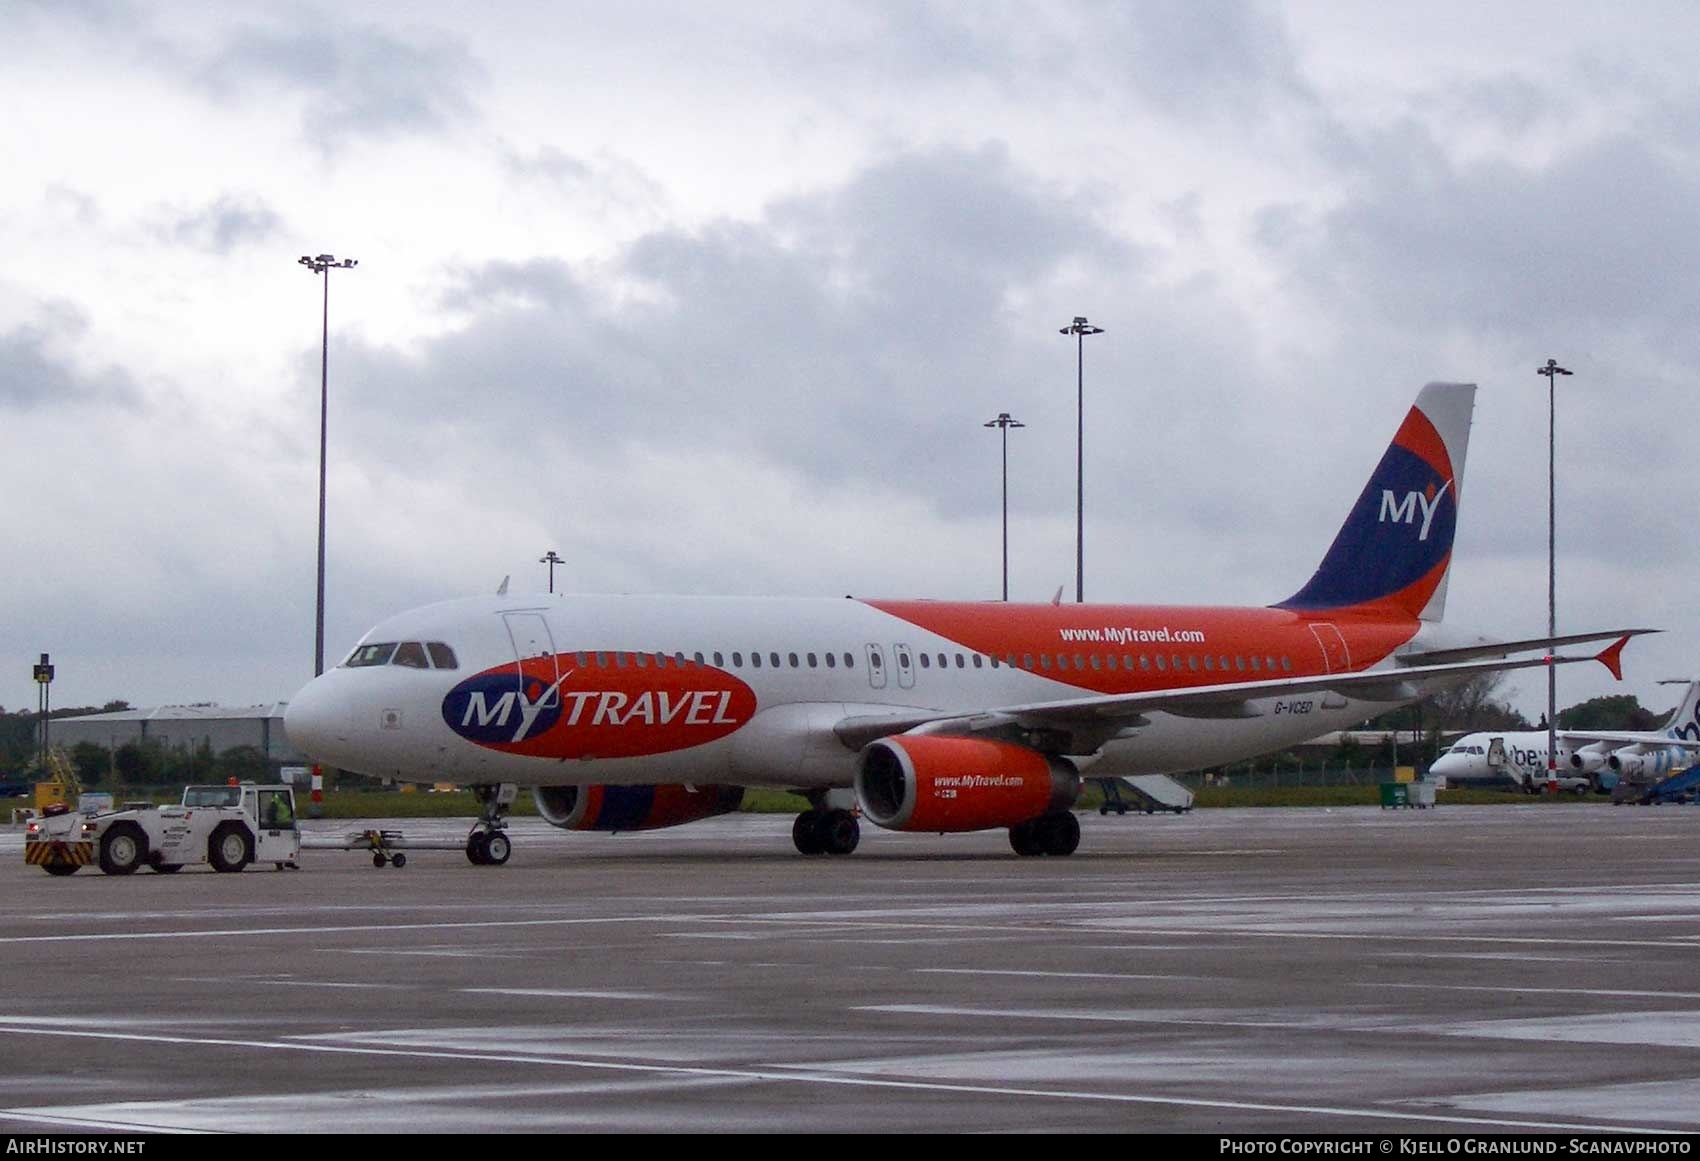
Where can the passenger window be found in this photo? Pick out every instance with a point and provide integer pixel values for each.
(697, 657)
(441, 655)
(602, 661)
(849, 661)
(832, 660)
(583, 661)
(719, 659)
(873, 659)
(1097, 662)
(943, 662)
(1209, 662)
(926, 662)
(1079, 661)
(811, 660)
(793, 659)
(755, 659)
(737, 660)
(1111, 661)
(773, 659)
(1161, 667)
(1254, 666)
(1144, 662)
(642, 660)
(1286, 665)
(619, 661)
(1192, 662)
(1027, 661)
(1239, 664)
(1044, 661)
(979, 662)
(412, 655)
(365, 656)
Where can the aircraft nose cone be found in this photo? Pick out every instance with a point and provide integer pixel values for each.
(317, 718)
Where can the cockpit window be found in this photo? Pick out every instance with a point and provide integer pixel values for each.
(443, 657)
(365, 655)
(411, 654)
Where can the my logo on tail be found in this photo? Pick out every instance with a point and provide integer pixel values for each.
(1394, 509)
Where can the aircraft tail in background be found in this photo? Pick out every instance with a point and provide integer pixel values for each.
(1395, 547)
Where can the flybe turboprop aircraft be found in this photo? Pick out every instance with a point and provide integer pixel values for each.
(631, 712)
(1519, 759)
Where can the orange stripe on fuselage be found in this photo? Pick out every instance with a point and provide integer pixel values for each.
(1004, 630)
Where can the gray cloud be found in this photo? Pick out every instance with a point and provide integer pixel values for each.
(33, 376)
(851, 335)
(358, 82)
(221, 225)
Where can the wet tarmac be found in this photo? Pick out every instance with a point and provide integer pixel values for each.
(1463, 969)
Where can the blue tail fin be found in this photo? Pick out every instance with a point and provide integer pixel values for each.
(1396, 544)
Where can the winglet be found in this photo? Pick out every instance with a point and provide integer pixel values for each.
(1057, 600)
(1612, 656)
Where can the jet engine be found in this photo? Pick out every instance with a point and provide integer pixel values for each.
(921, 782)
(617, 808)
(1589, 759)
(1627, 762)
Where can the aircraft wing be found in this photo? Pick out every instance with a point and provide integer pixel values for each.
(1094, 720)
(1628, 738)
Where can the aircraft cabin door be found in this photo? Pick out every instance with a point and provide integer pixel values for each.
(905, 666)
(876, 667)
(532, 640)
(1336, 658)
(1496, 754)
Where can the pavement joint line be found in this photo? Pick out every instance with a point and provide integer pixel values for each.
(780, 1075)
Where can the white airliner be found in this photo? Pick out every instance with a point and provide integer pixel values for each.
(1519, 759)
(626, 713)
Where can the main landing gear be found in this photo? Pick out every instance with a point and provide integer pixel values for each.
(1057, 833)
(826, 832)
(488, 845)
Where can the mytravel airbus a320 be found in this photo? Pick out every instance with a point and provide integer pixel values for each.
(631, 712)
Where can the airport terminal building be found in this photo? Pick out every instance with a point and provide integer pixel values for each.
(218, 727)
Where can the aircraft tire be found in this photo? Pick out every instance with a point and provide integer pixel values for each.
(839, 832)
(1058, 834)
(497, 848)
(477, 848)
(1024, 840)
(806, 833)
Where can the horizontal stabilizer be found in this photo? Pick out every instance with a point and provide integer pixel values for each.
(1502, 648)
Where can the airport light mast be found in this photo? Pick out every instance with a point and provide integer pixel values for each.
(1003, 422)
(1080, 328)
(1550, 370)
(551, 560)
(323, 265)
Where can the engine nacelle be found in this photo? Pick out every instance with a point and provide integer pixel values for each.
(617, 808)
(1589, 759)
(1628, 763)
(923, 782)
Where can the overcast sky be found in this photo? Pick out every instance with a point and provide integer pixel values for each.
(715, 297)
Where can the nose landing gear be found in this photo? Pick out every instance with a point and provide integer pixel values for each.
(488, 845)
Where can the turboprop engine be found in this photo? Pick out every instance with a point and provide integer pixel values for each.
(617, 808)
(919, 782)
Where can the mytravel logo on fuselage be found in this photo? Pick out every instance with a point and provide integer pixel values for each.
(555, 708)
